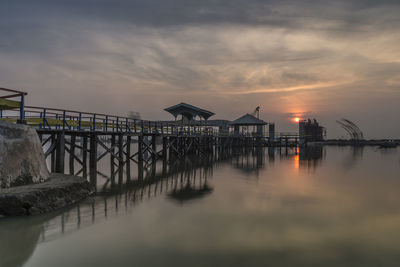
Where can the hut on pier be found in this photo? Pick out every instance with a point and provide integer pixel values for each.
(188, 112)
(248, 125)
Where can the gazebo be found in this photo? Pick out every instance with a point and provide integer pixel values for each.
(243, 124)
(189, 112)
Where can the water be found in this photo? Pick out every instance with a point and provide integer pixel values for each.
(332, 206)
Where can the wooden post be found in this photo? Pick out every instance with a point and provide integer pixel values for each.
(128, 155)
(153, 147)
(121, 158)
(93, 159)
(140, 157)
(84, 156)
(60, 152)
(112, 160)
(71, 155)
(53, 154)
(165, 147)
(171, 141)
(164, 165)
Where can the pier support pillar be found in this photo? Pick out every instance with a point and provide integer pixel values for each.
(53, 154)
(72, 155)
(60, 152)
(93, 159)
(120, 159)
(128, 158)
(140, 157)
(154, 147)
(84, 156)
(112, 160)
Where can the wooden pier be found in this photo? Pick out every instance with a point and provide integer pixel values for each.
(74, 141)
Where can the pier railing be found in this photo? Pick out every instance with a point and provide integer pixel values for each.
(62, 119)
(7, 102)
(46, 118)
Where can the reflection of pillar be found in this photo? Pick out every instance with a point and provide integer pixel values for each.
(164, 167)
(271, 153)
(259, 135)
(259, 155)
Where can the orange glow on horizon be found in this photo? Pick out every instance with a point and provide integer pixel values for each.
(296, 119)
(296, 162)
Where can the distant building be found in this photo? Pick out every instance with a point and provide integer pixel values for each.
(310, 131)
(248, 125)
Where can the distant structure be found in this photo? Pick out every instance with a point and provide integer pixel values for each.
(352, 129)
(189, 112)
(134, 115)
(256, 112)
(271, 131)
(248, 125)
(310, 131)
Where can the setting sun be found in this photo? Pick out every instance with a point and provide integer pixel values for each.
(296, 120)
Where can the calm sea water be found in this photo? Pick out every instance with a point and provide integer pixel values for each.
(331, 206)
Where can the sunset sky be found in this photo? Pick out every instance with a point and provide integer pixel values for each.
(317, 59)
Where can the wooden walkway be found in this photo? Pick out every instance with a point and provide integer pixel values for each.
(76, 141)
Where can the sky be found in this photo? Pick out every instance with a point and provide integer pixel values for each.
(318, 59)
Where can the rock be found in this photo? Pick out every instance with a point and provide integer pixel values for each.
(22, 159)
(57, 192)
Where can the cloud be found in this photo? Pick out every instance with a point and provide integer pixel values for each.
(286, 56)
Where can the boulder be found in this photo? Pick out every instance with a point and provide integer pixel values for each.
(58, 192)
(22, 160)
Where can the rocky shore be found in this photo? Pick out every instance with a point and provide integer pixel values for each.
(26, 186)
(57, 192)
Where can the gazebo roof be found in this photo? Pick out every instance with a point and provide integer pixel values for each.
(248, 120)
(189, 111)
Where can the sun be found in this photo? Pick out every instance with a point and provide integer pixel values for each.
(297, 119)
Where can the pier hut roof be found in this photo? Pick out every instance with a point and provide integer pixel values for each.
(248, 120)
(189, 111)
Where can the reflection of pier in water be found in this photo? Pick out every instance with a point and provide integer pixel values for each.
(183, 180)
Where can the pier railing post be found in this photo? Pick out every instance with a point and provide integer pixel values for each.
(80, 121)
(22, 110)
(134, 125)
(94, 122)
